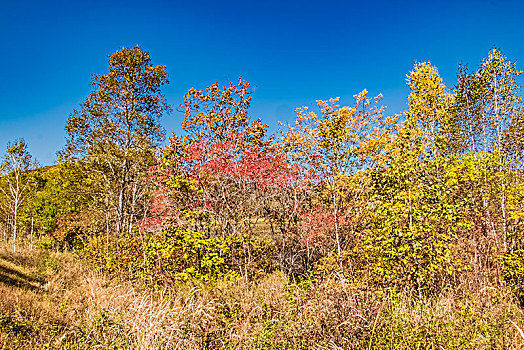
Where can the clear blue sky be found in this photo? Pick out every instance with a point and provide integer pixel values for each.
(294, 52)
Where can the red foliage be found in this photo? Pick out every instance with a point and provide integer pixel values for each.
(228, 179)
(158, 209)
(264, 168)
(319, 223)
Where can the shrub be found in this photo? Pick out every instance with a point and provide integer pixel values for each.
(512, 268)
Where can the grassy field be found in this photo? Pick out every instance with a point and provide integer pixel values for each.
(52, 300)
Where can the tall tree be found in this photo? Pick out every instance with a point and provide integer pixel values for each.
(468, 107)
(489, 105)
(224, 164)
(490, 108)
(503, 109)
(429, 102)
(502, 104)
(116, 131)
(16, 177)
(337, 143)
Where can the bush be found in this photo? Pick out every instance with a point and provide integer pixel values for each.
(512, 268)
(182, 254)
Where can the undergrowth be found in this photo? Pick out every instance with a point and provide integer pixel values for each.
(52, 300)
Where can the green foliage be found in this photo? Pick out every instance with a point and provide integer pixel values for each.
(174, 254)
(103, 254)
(414, 222)
(512, 267)
(45, 243)
(62, 192)
(182, 254)
(178, 254)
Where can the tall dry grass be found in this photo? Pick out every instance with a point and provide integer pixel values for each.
(74, 307)
(54, 301)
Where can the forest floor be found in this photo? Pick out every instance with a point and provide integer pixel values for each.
(52, 300)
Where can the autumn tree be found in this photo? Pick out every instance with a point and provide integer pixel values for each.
(414, 216)
(16, 180)
(221, 176)
(215, 113)
(429, 104)
(489, 105)
(468, 107)
(410, 239)
(501, 103)
(222, 153)
(336, 144)
(116, 131)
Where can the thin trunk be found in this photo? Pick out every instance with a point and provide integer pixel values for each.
(501, 170)
(489, 219)
(120, 213)
(470, 122)
(433, 138)
(484, 133)
(410, 211)
(15, 220)
(31, 234)
(497, 117)
(133, 204)
(504, 217)
(337, 235)
(107, 228)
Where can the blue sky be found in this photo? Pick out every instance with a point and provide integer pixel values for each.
(293, 52)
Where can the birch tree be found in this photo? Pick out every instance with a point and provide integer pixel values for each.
(16, 177)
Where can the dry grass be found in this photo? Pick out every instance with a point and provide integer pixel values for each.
(53, 301)
(72, 306)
